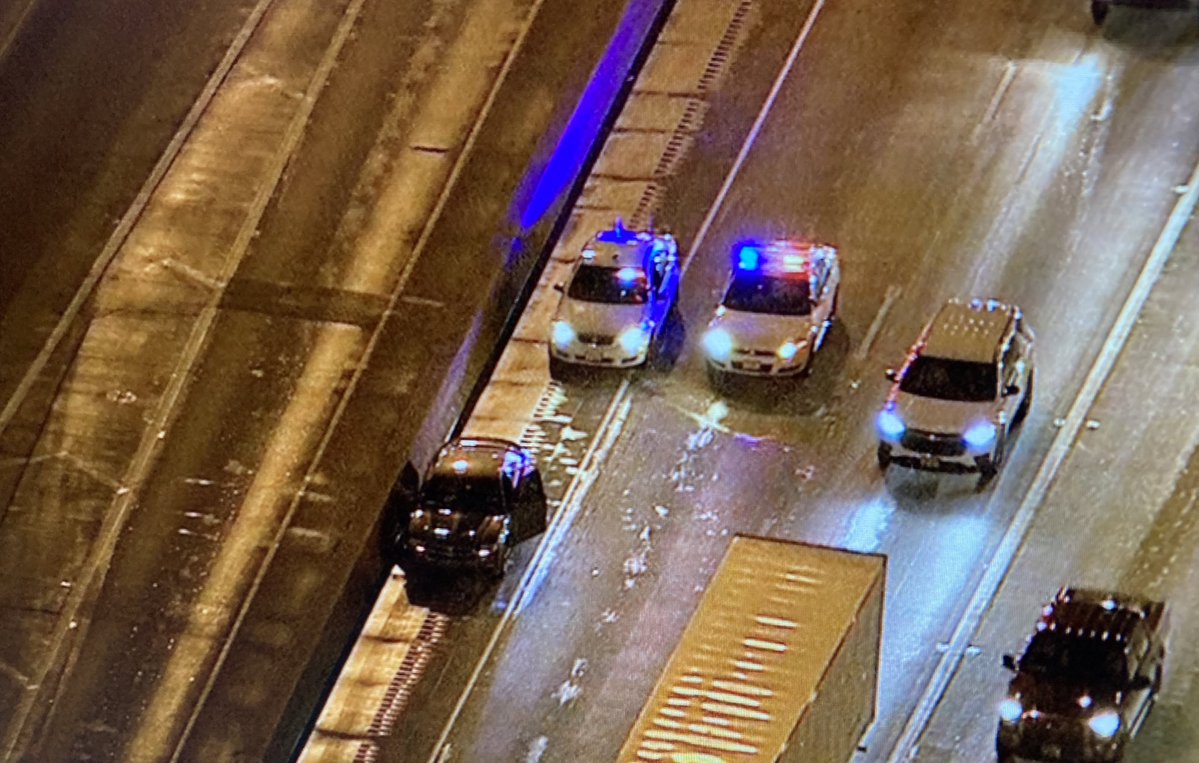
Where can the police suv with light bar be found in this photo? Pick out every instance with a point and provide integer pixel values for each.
(620, 293)
(964, 386)
(776, 310)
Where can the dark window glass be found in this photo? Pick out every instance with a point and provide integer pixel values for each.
(472, 495)
(622, 286)
(756, 293)
(944, 379)
(1075, 659)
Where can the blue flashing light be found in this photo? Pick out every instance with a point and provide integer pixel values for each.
(749, 257)
(719, 345)
(890, 425)
(628, 275)
(980, 436)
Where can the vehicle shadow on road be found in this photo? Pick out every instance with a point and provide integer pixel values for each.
(456, 594)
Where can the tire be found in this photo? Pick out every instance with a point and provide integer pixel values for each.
(498, 563)
(884, 457)
(988, 468)
(1099, 10)
(1157, 681)
(1025, 403)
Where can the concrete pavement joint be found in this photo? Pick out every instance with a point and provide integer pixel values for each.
(583, 479)
(132, 215)
(1005, 553)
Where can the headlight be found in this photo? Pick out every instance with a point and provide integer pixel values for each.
(788, 350)
(718, 343)
(563, 334)
(417, 547)
(484, 553)
(633, 339)
(890, 426)
(1104, 724)
(979, 437)
(1010, 710)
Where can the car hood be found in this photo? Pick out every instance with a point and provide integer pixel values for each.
(1061, 698)
(930, 414)
(762, 331)
(599, 318)
(454, 527)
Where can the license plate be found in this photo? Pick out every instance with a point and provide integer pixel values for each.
(930, 462)
(1051, 751)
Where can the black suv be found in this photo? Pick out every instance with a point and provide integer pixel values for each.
(479, 498)
(1087, 679)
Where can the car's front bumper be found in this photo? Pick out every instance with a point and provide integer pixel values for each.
(598, 355)
(445, 557)
(938, 453)
(1069, 741)
(764, 363)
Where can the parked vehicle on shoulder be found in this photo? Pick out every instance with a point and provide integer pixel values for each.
(1087, 679)
(779, 303)
(618, 298)
(478, 499)
(964, 386)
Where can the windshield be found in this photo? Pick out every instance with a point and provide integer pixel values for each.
(756, 293)
(620, 286)
(961, 380)
(1074, 659)
(470, 495)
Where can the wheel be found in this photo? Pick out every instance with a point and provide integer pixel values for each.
(1025, 402)
(884, 456)
(1099, 11)
(498, 562)
(988, 466)
(1157, 680)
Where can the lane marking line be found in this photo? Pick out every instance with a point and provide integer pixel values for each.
(876, 325)
(596, 454)
(132, 215)
(1005, 553)
(583, 479)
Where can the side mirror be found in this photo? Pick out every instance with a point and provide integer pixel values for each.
(891, 374)
(559, 287)
(1009, 662)
(1011, 389)
(1140, 683)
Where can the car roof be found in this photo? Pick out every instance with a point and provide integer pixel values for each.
(477, 456)
(1091, 614)
(970, 331)
(620, 247)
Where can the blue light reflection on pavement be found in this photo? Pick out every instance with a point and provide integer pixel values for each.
(545, 185)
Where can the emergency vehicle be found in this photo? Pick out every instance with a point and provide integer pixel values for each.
(776, 310)
(964, 386)
(619, 295)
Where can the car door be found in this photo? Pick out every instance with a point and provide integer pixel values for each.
(529, 507)
(1011, 376)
